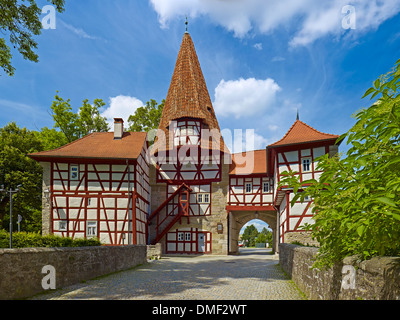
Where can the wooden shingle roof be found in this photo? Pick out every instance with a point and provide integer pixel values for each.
(188, 97)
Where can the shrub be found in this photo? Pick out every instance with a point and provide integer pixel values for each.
(35, 240)
(357, 198)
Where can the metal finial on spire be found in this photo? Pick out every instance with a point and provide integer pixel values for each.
(186, 23)
(298, 115)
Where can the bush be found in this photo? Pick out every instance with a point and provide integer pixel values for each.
(357, 198)
(35, 240)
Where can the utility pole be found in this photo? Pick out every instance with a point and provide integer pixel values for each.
(11, 192)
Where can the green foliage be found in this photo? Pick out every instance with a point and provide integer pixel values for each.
(147, 118)
(18, 169)
(35, 240)
(357, 198)
(21, 21)
(251, 236)
(77, 125)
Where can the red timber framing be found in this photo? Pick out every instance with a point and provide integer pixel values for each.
(105, 200)
(162, 219)
(292, 218)
(199, 200)
(189, 240)
(250, 192)
(189, 164)
(291, 158)
(187, 131)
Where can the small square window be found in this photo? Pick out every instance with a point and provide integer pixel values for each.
(200, 198)
(188, 236)
(249, 187)
(266, 187)
(181, 236)
(91, 229)
(206, 198)
(74, 172)
(63, 225)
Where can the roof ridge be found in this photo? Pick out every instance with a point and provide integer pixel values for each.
(329, 134)
(68, 144)
(307, 126)
(287, 133)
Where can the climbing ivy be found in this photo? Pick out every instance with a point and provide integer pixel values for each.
(357, 198)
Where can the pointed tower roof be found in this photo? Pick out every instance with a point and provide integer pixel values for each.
(303, 133)
(188, 96)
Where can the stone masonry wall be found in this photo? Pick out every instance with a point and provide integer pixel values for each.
(375, 279)
(21, 269)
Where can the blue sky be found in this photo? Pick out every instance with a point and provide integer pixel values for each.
(262, 60)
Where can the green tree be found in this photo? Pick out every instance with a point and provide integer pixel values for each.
(15, 169)
(77, 125)
(20, 20)
(357, 198)
(51, 138)
(268, 235)
(147, 118)
(249, 235)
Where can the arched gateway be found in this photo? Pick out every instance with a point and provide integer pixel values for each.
(187, 191)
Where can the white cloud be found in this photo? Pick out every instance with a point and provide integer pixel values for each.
(244, 97)
(278, 59)
(311, 19)
(258, 46)
(79, 32)
(121, 107)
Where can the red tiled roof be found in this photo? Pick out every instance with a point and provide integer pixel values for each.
(99, 145)
(256, 162)
(188, 97)
(303, 133)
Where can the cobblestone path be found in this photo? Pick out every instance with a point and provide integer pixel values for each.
(248, 276)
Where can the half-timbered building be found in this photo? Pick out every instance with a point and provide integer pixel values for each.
(98, 186)
(187, 191)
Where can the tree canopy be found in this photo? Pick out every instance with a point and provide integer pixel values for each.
(20, 21)
(251, 236)
(357, 198)
(77, 125)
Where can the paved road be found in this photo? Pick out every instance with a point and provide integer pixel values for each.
(253, 275)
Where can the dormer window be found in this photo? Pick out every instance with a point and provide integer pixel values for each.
(187, 132)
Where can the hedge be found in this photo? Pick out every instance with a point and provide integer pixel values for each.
(35, 240)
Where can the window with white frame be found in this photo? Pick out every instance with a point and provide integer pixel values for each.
(203, 198)
(63, 225)
(181, 236)
(91, 229)
(74, 172)
(265, 187)
(188, 236)
(306, 164)
(249, 187)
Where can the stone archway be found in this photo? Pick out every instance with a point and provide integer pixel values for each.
(237, 219)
